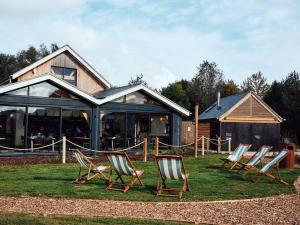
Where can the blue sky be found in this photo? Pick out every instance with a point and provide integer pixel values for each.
(164, 40)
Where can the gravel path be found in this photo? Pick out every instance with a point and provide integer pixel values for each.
(283, 209)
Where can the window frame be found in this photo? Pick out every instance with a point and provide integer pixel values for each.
(63, 75)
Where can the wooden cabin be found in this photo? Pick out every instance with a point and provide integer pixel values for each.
(245, 118)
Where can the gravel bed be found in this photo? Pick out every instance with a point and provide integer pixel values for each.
(282, 209)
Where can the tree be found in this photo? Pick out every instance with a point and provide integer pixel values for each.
(284, 97)
(178, 92)
(10, 64)
(139, 79)
(256, 83)
(206, 84)
(229, 87)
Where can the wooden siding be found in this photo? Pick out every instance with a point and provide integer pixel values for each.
(251, 110)
(204, 130)
(85, 80)
(187, 132)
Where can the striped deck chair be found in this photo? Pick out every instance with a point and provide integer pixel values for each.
(236, 156)
(255, 160)
(92, 170)
(270, 165)
(122, 166)
(171, 167)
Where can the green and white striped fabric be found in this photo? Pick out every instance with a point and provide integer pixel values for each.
(171, 169)
(120, 164)
(81, 160)
(237, 154)
(275, 160)
(258, 156)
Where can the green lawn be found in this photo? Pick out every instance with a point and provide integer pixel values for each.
(207, 182)
(25, 219)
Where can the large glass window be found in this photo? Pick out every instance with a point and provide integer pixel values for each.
(137, 128)
(137, 98)
(21, 91)
(76, 126)
(160, 127)
(67, 74)
(113, 130)
(12, 126)
(43, 125)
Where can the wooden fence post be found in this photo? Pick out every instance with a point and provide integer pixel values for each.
(52, 145)
(219, 145)
(202, 145)
(196, 130)
(64, 149)
(229, 145)
(207, 144)
(145, 149)
(156, 146)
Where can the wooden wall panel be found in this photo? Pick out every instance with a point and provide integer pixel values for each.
(259, 111)
(187, 132)
(243, 109)
(204, 130)
(85, 80)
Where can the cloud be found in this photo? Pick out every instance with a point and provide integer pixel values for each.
(163, 40)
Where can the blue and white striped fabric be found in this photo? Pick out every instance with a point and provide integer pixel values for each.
(81, 160)
(258, 156)
(275, 160)
(237, 154)
(120, 164)
(171, 169)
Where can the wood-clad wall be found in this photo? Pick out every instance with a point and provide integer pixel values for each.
(251, 110)
(187, 132)
(85, 80)
(204, 130)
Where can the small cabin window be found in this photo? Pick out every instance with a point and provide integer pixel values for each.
(67, 74)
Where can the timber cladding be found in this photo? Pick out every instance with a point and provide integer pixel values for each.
(204, 129)
(85, 80)
(250, 110)
(187, 132)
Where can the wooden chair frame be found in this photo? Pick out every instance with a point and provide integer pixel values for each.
(235, 163)
(275, 177)
(161, 182)
(247, 168)
(118, 181)
(92, 172)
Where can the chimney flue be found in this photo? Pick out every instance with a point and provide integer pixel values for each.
(218, 101)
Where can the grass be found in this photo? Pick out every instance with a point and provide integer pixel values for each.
(25, 219)
(207, 182)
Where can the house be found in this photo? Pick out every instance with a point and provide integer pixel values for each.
(63, 95)
(245, 118)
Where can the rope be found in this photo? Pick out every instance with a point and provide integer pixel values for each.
(176, 146)
(93, 150)
(30, 149)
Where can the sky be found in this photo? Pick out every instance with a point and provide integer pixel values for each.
(163, 40)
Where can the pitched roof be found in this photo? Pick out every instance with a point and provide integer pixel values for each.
(107, 96)
(226, 103)
(57, 52)
(111, 91)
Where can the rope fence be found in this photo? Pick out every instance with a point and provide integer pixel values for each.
(31, 148)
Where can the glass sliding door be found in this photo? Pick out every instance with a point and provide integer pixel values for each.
(160, 127)
(43, 125)
(137, 128)
(76, 126)
(12, 126)
(113, 130)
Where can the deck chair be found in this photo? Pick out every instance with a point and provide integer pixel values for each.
(236, 156)
(171, 167)
(255, 160)
(122, 166)
(271, 165)
(92, 170)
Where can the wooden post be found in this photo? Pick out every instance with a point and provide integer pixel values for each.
(196, 130)
(229, 145)
(207, 144)
(202, 145)
(219, 145)
(64, 149)
(156, 146)
(145, 149)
